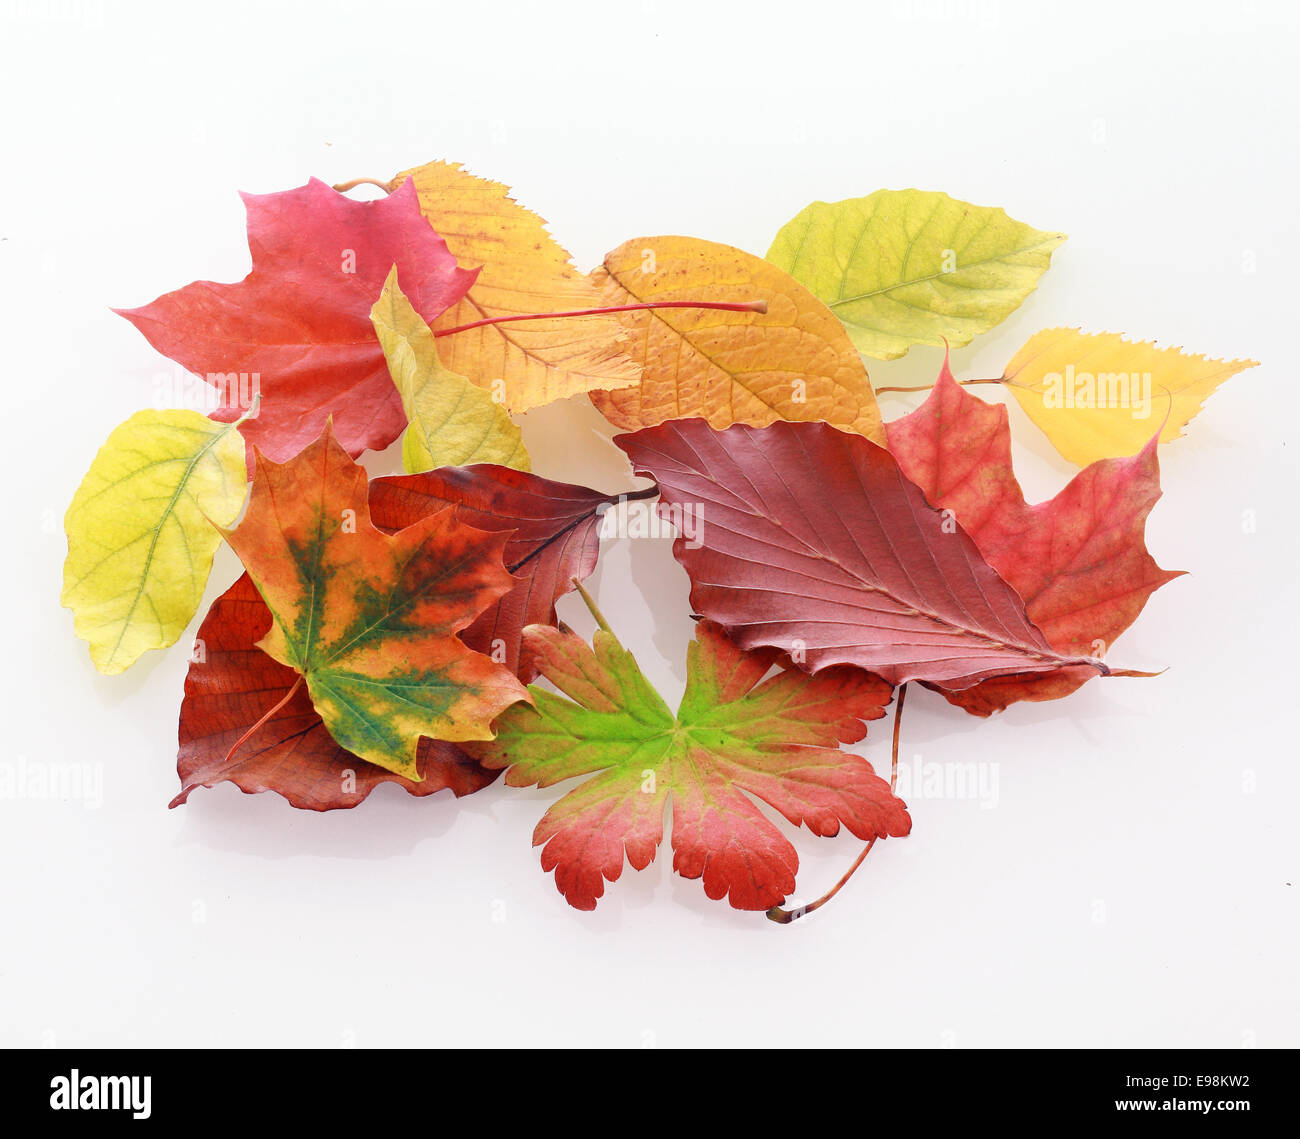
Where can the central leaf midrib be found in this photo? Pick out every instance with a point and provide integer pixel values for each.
(933, 276)
(168, 511)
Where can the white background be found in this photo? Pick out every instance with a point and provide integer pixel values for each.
(1160, 137)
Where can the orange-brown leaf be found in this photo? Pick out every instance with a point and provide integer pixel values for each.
(794, 362)
(370, 619)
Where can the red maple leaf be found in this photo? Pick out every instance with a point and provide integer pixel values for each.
(297, 329)
(1079, 560)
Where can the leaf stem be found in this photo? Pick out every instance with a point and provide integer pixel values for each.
(265, 716)
(344, 187)
(785, 917)
(927, 387)
(591, 605)
(898, 723)
(252, 411)
(722, 306)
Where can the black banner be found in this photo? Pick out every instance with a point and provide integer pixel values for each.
(93, 1089)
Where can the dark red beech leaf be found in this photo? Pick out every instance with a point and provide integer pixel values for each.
(556, 538)
(1079, 560)
(232, 683)
(297, 329)
(811, 540)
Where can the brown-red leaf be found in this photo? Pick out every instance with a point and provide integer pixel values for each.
(555, 539)
(232, 683)
(812, 540)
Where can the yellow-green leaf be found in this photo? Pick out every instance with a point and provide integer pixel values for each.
(140, 533)
(1099, 396)
(904, 267)
(451, 422)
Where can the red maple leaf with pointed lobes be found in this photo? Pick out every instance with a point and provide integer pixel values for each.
(300, 321)
(554, 537)
(735, 735)
(1079, 560)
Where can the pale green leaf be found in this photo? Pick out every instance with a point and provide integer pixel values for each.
(904, 267)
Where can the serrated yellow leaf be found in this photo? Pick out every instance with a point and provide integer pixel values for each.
(450, 422)
(904, 267)
(140, 531)
(1099, 396)
(794, 361)
(524, 270)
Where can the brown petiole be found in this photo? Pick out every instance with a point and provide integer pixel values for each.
(785, 917)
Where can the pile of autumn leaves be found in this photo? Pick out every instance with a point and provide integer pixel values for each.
(385, 629)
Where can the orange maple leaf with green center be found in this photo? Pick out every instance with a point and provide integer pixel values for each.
(370, 619)
(736, 738)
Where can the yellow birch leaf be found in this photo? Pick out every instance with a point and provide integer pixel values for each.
(140, 531)
(1099, 396)
(450, 422)
(524, 270)
(793, 362)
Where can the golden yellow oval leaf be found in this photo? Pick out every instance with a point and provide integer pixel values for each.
(1099, 396)
(793, 362)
